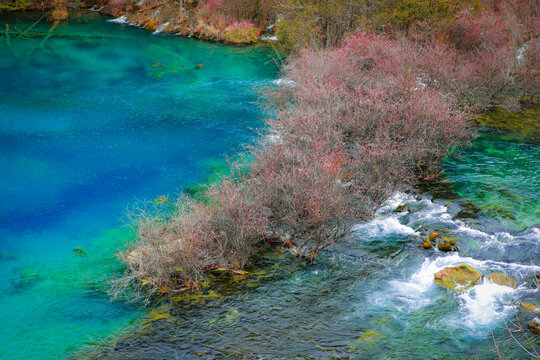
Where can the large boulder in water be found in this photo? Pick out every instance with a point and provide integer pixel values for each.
(502, 279)
(457, 278)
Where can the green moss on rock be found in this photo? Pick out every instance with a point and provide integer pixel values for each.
(502, 279)
(457, 278)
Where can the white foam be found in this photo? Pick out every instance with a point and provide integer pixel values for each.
(484, 305)
(161, 28)
(473, 232)
(268, 38)
(120, 20)
(422, 281)
(430, 213)
(398, 198)
(384, 226)
(284, 82)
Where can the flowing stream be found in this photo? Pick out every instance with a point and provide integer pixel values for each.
(88, 125)
(373, 295)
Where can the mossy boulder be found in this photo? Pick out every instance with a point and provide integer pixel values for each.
(502, 279)
(444, 246)
(457, 278)
(426, 245)
(433, 236)
(534, 326)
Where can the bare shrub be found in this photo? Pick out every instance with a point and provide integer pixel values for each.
(355, 124)
(174, 248)
(241, 32)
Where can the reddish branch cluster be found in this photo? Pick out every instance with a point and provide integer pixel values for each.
(353, 124)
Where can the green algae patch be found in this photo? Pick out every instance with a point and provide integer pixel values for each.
(196, 297)
(457, 278)
(158, 316)
(369, 336)
(525, 125)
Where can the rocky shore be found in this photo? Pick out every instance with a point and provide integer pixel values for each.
(190, 18)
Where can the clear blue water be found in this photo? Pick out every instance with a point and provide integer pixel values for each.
(93, 119)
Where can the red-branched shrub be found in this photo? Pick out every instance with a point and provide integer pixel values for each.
(484, 57)
(352, 125)
(175, 247)
(357, 123)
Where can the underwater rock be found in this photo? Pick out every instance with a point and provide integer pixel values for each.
(502, 279)
(400, 208)
(443, 246)
(457, 278)
(452, 241)
(534, 326)
(26, 279)
(59, 14)
(531, 307)
(433, 236)
(79, 251)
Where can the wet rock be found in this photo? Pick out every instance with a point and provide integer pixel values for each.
(531, 307)
(443, 246)
(433, 236)
(400, 208)
(502, 279)
(452, 241)
(79, 251)
(426, 245)
(534, 326)
(457, 278)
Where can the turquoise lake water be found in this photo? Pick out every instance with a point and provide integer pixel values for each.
(93, 119)
(93, 122)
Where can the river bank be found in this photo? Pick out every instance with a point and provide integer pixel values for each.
(191, 19)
